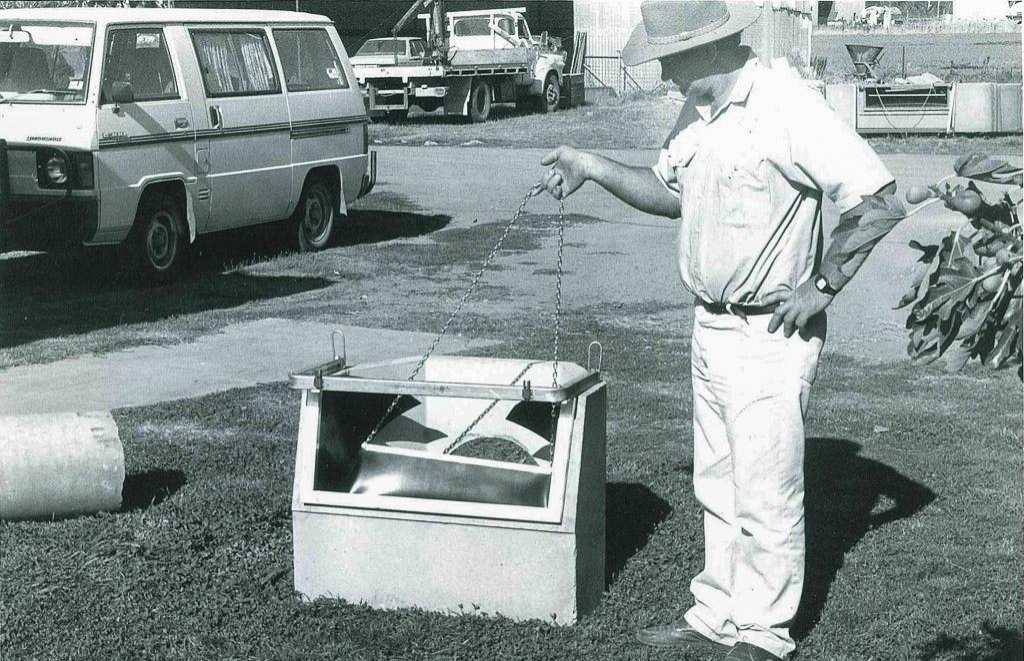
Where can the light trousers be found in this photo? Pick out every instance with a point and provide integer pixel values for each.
(750, 396)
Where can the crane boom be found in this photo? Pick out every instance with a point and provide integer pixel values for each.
(407, 16)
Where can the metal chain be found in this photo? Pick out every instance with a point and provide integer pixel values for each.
(458, 308)
(558, 314)
(483, 414)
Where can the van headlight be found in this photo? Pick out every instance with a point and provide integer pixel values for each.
(56, 170)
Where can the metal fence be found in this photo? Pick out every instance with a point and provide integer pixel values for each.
(604, 68)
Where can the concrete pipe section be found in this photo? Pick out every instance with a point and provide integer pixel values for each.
(58, 465)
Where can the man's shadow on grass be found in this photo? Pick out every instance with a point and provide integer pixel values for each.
(845, 497)
(632, 513)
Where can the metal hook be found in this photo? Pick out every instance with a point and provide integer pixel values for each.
(334, 347)
(590, 355)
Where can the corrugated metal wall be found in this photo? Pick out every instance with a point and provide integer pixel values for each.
(784, 26)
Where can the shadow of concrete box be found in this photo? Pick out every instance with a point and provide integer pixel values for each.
(386, 513)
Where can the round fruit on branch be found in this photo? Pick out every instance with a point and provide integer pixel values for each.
(918, 194)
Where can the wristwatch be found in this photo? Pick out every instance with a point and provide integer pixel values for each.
(821, 284)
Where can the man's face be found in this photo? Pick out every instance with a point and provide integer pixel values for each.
(690, 66)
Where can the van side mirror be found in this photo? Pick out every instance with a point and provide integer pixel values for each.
(121, 92)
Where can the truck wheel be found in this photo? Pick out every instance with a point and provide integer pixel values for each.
(480, 101)
(313, 220)
(552, 95)
(396, 116)
(157, 242)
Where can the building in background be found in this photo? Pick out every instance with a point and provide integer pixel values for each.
(783, 29)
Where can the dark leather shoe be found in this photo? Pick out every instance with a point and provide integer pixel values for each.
(748, 652)
(677, 634)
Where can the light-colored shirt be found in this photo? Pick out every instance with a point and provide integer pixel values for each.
(750, 179)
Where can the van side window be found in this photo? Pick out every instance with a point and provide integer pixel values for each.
(138, 56)
(235, 62)
(309, 60)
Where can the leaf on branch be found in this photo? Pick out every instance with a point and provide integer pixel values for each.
(928, 252)
(986, 168)
(957, 357)
(974, 320)
(881, 214)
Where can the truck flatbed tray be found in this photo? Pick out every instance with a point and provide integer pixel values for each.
(522, 57)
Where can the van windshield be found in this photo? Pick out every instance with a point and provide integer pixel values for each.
(44, 62)
(382, 47)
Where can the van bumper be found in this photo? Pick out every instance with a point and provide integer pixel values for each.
(370, 176)
(45, 222)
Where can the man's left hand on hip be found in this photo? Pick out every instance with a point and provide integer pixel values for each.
(798, 307)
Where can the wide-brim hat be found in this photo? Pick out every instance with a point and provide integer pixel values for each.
(674, 26)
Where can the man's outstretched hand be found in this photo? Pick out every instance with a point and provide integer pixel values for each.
(568, 172)
(797, 307)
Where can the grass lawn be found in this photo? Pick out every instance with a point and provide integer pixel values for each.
(913, 494)
(913, 523)
(626, 122)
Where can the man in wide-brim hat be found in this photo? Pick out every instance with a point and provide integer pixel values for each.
(745, 170)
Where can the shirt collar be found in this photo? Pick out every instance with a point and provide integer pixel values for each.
(740, 91)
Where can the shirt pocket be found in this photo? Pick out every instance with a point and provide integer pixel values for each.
(743, 181)
(745, 199)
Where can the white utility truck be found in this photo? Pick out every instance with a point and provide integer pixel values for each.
(473, 60)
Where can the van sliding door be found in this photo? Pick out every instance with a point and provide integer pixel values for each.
(247, 126)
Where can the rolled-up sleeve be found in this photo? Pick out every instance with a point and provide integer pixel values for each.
(827, 154)
(665, 172)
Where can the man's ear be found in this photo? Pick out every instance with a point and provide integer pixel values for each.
(712, 51)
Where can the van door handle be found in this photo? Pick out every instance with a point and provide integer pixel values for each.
(216, 118)
(180, 123)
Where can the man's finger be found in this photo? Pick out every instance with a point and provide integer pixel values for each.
(551, 158)
(790, 323)
(777, 297)
(776, 321)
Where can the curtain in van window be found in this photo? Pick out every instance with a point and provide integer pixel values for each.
(235, 63)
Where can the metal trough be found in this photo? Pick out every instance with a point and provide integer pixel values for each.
(388, 509)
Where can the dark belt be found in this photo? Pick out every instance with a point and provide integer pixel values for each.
(738, 310)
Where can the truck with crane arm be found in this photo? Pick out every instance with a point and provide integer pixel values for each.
(471, 61)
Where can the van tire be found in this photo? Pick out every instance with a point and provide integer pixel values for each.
(551, 95)
(480, 101)
(396, 116)
(157, 242)
(313, 221)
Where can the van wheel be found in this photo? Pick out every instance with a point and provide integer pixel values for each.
(157, 242)
(313, 220)
(552, 96)
(396, 116)
(480, 101)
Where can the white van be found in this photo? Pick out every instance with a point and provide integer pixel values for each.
(147, 127)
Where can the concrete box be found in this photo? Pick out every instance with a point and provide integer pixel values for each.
(395, 521)
(987, 108)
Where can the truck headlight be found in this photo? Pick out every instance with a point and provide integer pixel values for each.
(56, 170)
